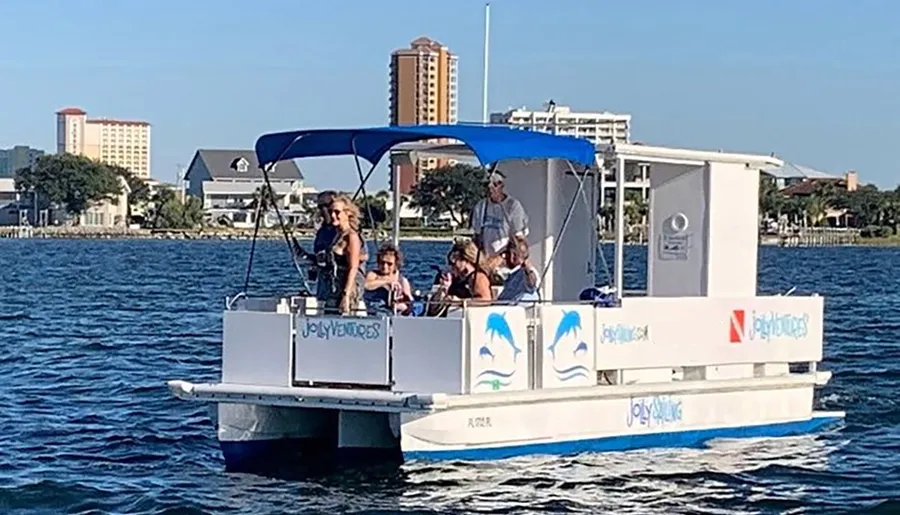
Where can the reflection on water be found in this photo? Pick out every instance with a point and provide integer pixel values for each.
(644, 481)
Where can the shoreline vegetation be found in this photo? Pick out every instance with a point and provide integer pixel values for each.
(811, 238)
(819, 214)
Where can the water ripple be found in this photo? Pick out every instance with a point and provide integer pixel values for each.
(93, 329)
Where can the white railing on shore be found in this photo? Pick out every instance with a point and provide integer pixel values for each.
(17, 231)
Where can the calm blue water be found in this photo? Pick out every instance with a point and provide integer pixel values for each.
(91, 331)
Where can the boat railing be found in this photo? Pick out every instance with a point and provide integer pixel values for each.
(528, 346)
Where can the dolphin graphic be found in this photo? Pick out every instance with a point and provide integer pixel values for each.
(582, 347)
(499, 327)
(570, 323)
(485, 351)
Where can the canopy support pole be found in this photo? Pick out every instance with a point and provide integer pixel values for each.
(397, 201)
(566, 220)
(362, 188)
(620, 225)
(259, 206)
(288, 236)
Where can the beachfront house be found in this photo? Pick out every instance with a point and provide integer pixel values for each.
(111, 212)
(229, 182)
(798, 181)
(17, 208)
(9, 202)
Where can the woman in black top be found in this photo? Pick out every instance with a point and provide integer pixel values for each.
(345, 252)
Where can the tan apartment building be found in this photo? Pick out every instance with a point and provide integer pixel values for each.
(423, 85)
(125, 143)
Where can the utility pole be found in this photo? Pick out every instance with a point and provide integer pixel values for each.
(179, 182)
(484, 80)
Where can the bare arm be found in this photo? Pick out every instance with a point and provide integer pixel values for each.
(375, 281)
(518, 220)
(407, 289)
(531, 276)
(481, 287)
(353, 254)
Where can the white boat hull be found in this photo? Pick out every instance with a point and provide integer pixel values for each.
(610, 423)
(287, 427)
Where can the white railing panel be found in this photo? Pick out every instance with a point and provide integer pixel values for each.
(651, 332)
(256, 348)
(498, 344)
(337, 349)
(429, 355)
(567, 343)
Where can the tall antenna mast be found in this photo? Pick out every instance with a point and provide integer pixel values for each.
(484, 82)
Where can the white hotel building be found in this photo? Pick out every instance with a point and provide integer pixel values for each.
(597, 127)
(125, 143)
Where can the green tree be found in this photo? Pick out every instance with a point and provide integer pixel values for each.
(892, 209)
(771, 201)
(262, 194)
(74, 182)
(636, 208)
(815, 209)
(866, 205)
(138, 189)
(171, 213)
(451, 189)
(608, 213)
(374, 211)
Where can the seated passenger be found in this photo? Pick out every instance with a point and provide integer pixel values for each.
(344, 281)
(472, 281)
(387, 291)
(522, 282)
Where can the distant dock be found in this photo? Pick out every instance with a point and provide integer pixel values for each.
(814, 237)
(810, 237)
(16, 232)
(123, 233)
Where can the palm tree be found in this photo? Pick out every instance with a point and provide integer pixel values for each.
(263, 194)
(892, 209)
(815, 209)
(771, 201)
(636, 211)
(795, 209)
(608, 214)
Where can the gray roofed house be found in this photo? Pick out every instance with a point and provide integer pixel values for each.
(226, 164)
(795, 171)
(227, 181)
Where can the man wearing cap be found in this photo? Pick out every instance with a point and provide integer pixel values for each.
(497, 219)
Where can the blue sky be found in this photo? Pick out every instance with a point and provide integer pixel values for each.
(816, 81)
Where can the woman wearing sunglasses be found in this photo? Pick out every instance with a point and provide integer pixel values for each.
(345, 252)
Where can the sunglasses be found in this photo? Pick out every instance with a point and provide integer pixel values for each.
(386, 263)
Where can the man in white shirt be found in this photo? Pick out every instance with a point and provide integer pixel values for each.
(498, 219)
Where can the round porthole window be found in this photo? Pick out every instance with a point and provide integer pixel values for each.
(678, 222)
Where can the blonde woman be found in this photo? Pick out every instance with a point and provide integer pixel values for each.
(345, 253)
